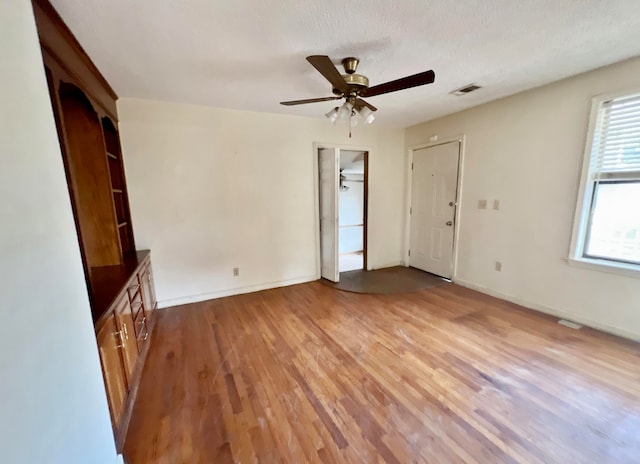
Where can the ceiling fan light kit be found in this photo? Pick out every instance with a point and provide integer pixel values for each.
(367, 115)
(332, 115)
(352, 87)
(344, 113)
(347, 113)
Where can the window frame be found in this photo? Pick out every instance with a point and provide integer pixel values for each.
(584, 204)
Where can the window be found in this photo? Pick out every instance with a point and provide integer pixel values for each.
(607, 229)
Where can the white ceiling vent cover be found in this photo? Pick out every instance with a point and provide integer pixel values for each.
(465, 90)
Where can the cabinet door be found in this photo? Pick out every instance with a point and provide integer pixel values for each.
(124, 320)
(109, 342)
(148, 291)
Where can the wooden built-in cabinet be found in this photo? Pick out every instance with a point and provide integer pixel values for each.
(119, 277)
(123, 331)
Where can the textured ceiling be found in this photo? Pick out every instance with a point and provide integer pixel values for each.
(250, 54)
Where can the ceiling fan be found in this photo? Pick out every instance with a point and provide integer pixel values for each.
(352, 87)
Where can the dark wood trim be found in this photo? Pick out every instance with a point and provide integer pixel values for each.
(49, 55)
(57, 21)
(365, 207)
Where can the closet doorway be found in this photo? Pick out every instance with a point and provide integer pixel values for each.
(351, 205)
(342, 210)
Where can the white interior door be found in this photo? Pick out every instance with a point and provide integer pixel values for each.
(328, 168)
(433, 197)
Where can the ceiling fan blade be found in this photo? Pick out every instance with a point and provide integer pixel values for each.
(324, 65)
(310, 100)
(427, 77)
(360, 103)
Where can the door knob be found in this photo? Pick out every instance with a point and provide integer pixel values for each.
(449, 223)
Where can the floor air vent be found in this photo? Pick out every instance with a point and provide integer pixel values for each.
(570, 324)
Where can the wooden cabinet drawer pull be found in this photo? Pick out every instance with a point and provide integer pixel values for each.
(143, 325)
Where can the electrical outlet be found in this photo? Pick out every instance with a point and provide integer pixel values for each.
(496, 204)
(482, 204)
(498, 266)
(236, 271)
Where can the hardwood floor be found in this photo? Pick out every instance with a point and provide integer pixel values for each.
(309, 374)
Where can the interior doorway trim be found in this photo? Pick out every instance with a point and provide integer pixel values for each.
(409, 188)
(316, 196)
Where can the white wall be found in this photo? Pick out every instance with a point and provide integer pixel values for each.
(53, 406)
(526, 151)
(213, 189)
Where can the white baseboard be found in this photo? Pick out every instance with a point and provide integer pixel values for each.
(233, 291)
(548, 310)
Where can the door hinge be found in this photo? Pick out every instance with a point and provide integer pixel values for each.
(410, 210)
(412, 166)
(409, 252)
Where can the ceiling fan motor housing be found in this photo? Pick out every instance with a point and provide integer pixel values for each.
(356, 83)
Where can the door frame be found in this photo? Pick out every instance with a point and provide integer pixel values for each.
(316, 200)
(409, 189)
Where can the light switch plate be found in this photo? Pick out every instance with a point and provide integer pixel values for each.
(496, 204)
(482, 204)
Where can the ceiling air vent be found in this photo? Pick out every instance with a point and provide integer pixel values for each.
(465, 90)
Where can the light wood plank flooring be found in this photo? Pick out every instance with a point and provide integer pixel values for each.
(309, 374)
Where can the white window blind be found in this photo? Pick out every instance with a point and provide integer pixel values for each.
(616, 141)
(612, 229)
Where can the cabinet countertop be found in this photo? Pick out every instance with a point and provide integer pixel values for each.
(108, 282)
